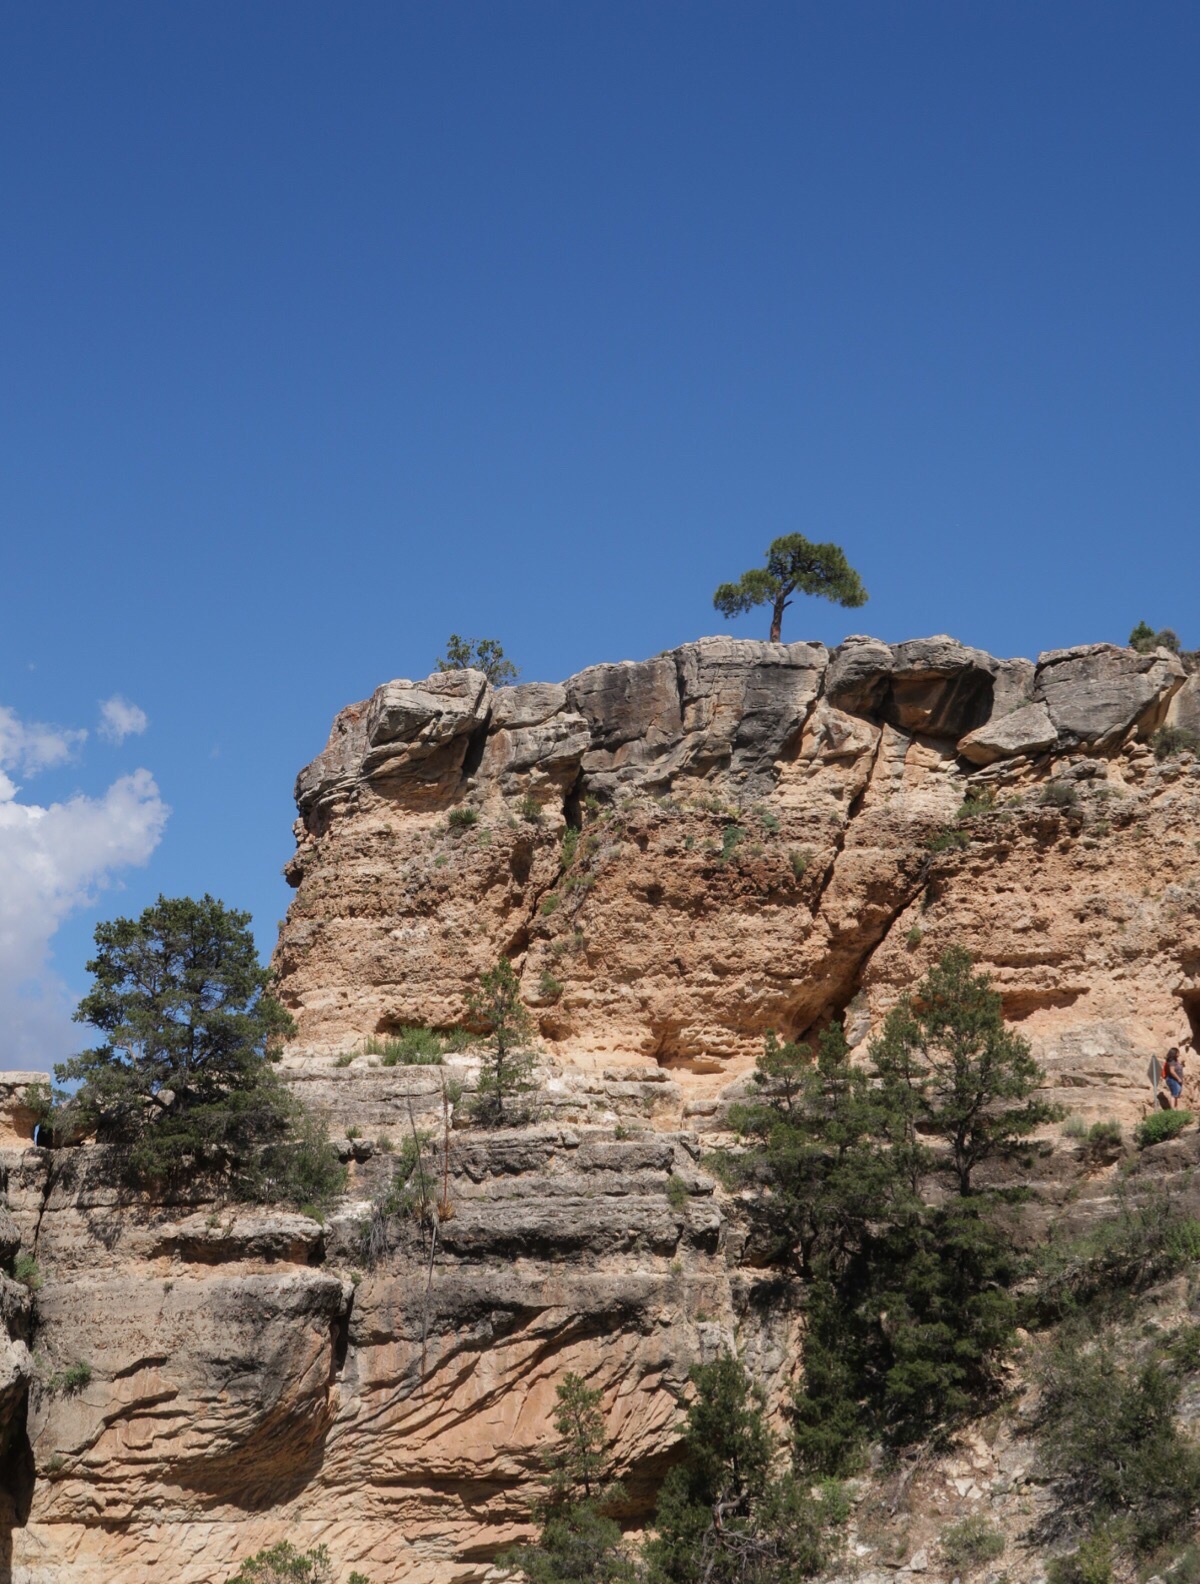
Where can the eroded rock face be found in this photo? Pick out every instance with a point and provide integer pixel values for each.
(677, 855)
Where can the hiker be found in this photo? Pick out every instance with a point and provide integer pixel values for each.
(1173, 1073)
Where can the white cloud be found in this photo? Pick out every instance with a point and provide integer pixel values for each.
(120, 719)
(28, 746)
(54, 858)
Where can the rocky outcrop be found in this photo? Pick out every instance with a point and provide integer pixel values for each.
(760, 838)
(677, 855)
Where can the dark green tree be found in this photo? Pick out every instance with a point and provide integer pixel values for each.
(578, 1542)
(733, 1512)
(507, 1071)
(478, 654)
(793, 565)
(1145, 639)
(182, 1077)
(949, 1069)
(283, 1564)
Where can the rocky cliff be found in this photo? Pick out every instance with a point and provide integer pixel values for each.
(677, 855)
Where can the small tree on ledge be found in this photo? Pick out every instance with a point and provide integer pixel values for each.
(507, 1070)
(792, 564)
(478, 654)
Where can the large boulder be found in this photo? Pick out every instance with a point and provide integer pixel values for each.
(420, 730)
(1097, 693)
(939, 687)
(1185, 707)
(1027, 730)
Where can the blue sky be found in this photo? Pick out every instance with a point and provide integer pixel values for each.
(330, 329)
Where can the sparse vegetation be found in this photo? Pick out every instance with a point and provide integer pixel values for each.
(479, 654)
(949, 839)
(677, 1192)
(415, 1046)
(27, 1272)
(462, 819)
(971, 1543)
(70, 1381)
(914, 937)
(731, 838)
(550, 905)
(1060, 795)
(549, 986)
(530, 809)
(799, 858)
(1169, 742)
(1145, 639)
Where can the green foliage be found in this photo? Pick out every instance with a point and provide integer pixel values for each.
(1105, 1134)
(793, 564)
(977, 803)
(27, 1272)
(1160, 1126)
(549, 986)
(732, 1512)
(970, 1544)
(677, 1192)
(578, 1542)
(531, 809)
(914, 937)
(950, 1069)
(1110, 1443)
(799, 858)
(550, 905)
(1145, 639)
(1146, 1241)
(731, 838)
(570, 845)
(415, 1046)
(507, 1071)
(283, 1564)
(461, 819)
(181, 1081)
(73, 1379)
(1059, 794)
(1092, 1563)
(948, 839)
(1169, 741)
(478, 654)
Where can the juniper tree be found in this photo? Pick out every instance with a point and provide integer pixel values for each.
(793, 565)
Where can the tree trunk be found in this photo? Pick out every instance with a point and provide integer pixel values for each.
(777, 618)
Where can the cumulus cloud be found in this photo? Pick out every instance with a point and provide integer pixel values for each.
(54, 858)
(120, 719)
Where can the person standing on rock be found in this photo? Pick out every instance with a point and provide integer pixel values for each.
(1173, 1073)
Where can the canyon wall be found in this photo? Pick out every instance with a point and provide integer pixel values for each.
(677, 855)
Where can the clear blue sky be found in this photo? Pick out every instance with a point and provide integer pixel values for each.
(331, 328)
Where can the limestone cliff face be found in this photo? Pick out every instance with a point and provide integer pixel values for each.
(758, 847)
(757, 836)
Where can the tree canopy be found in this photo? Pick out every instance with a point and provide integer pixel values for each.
(182, 1077)
(793, 565)
(478, 654)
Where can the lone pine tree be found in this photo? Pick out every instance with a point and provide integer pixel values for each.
(793, 565)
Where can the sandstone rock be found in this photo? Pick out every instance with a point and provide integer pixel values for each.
(1097, 693)
(1185, 706)
(939, 687)
(859, 672)
(1028, 730)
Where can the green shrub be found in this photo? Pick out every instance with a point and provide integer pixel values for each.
(1059, 795)
(971, 1543)
(283, 1564)
(1168, 741)
(26, 1271)
(1144, 1243)
(914, 937)
(570, 845)
(344, 1059)
(768, 820)
(799, 858)
(1091, 1564)
(731, 838)
(530, 809)
(1075, 1127)
(1104, 1134)
(549, 986)
(677, 1192)
(948, 839)
(410, 1047)
(550, 904)
(976, 803)
(1110, 1444)
(461, 819)
(1185, 1569)
(1160, 1126)
(73, 1379)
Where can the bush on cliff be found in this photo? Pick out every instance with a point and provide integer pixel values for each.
(283, 1564)
(182, 1082)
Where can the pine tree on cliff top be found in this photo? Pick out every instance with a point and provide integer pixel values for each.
(793, 565)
